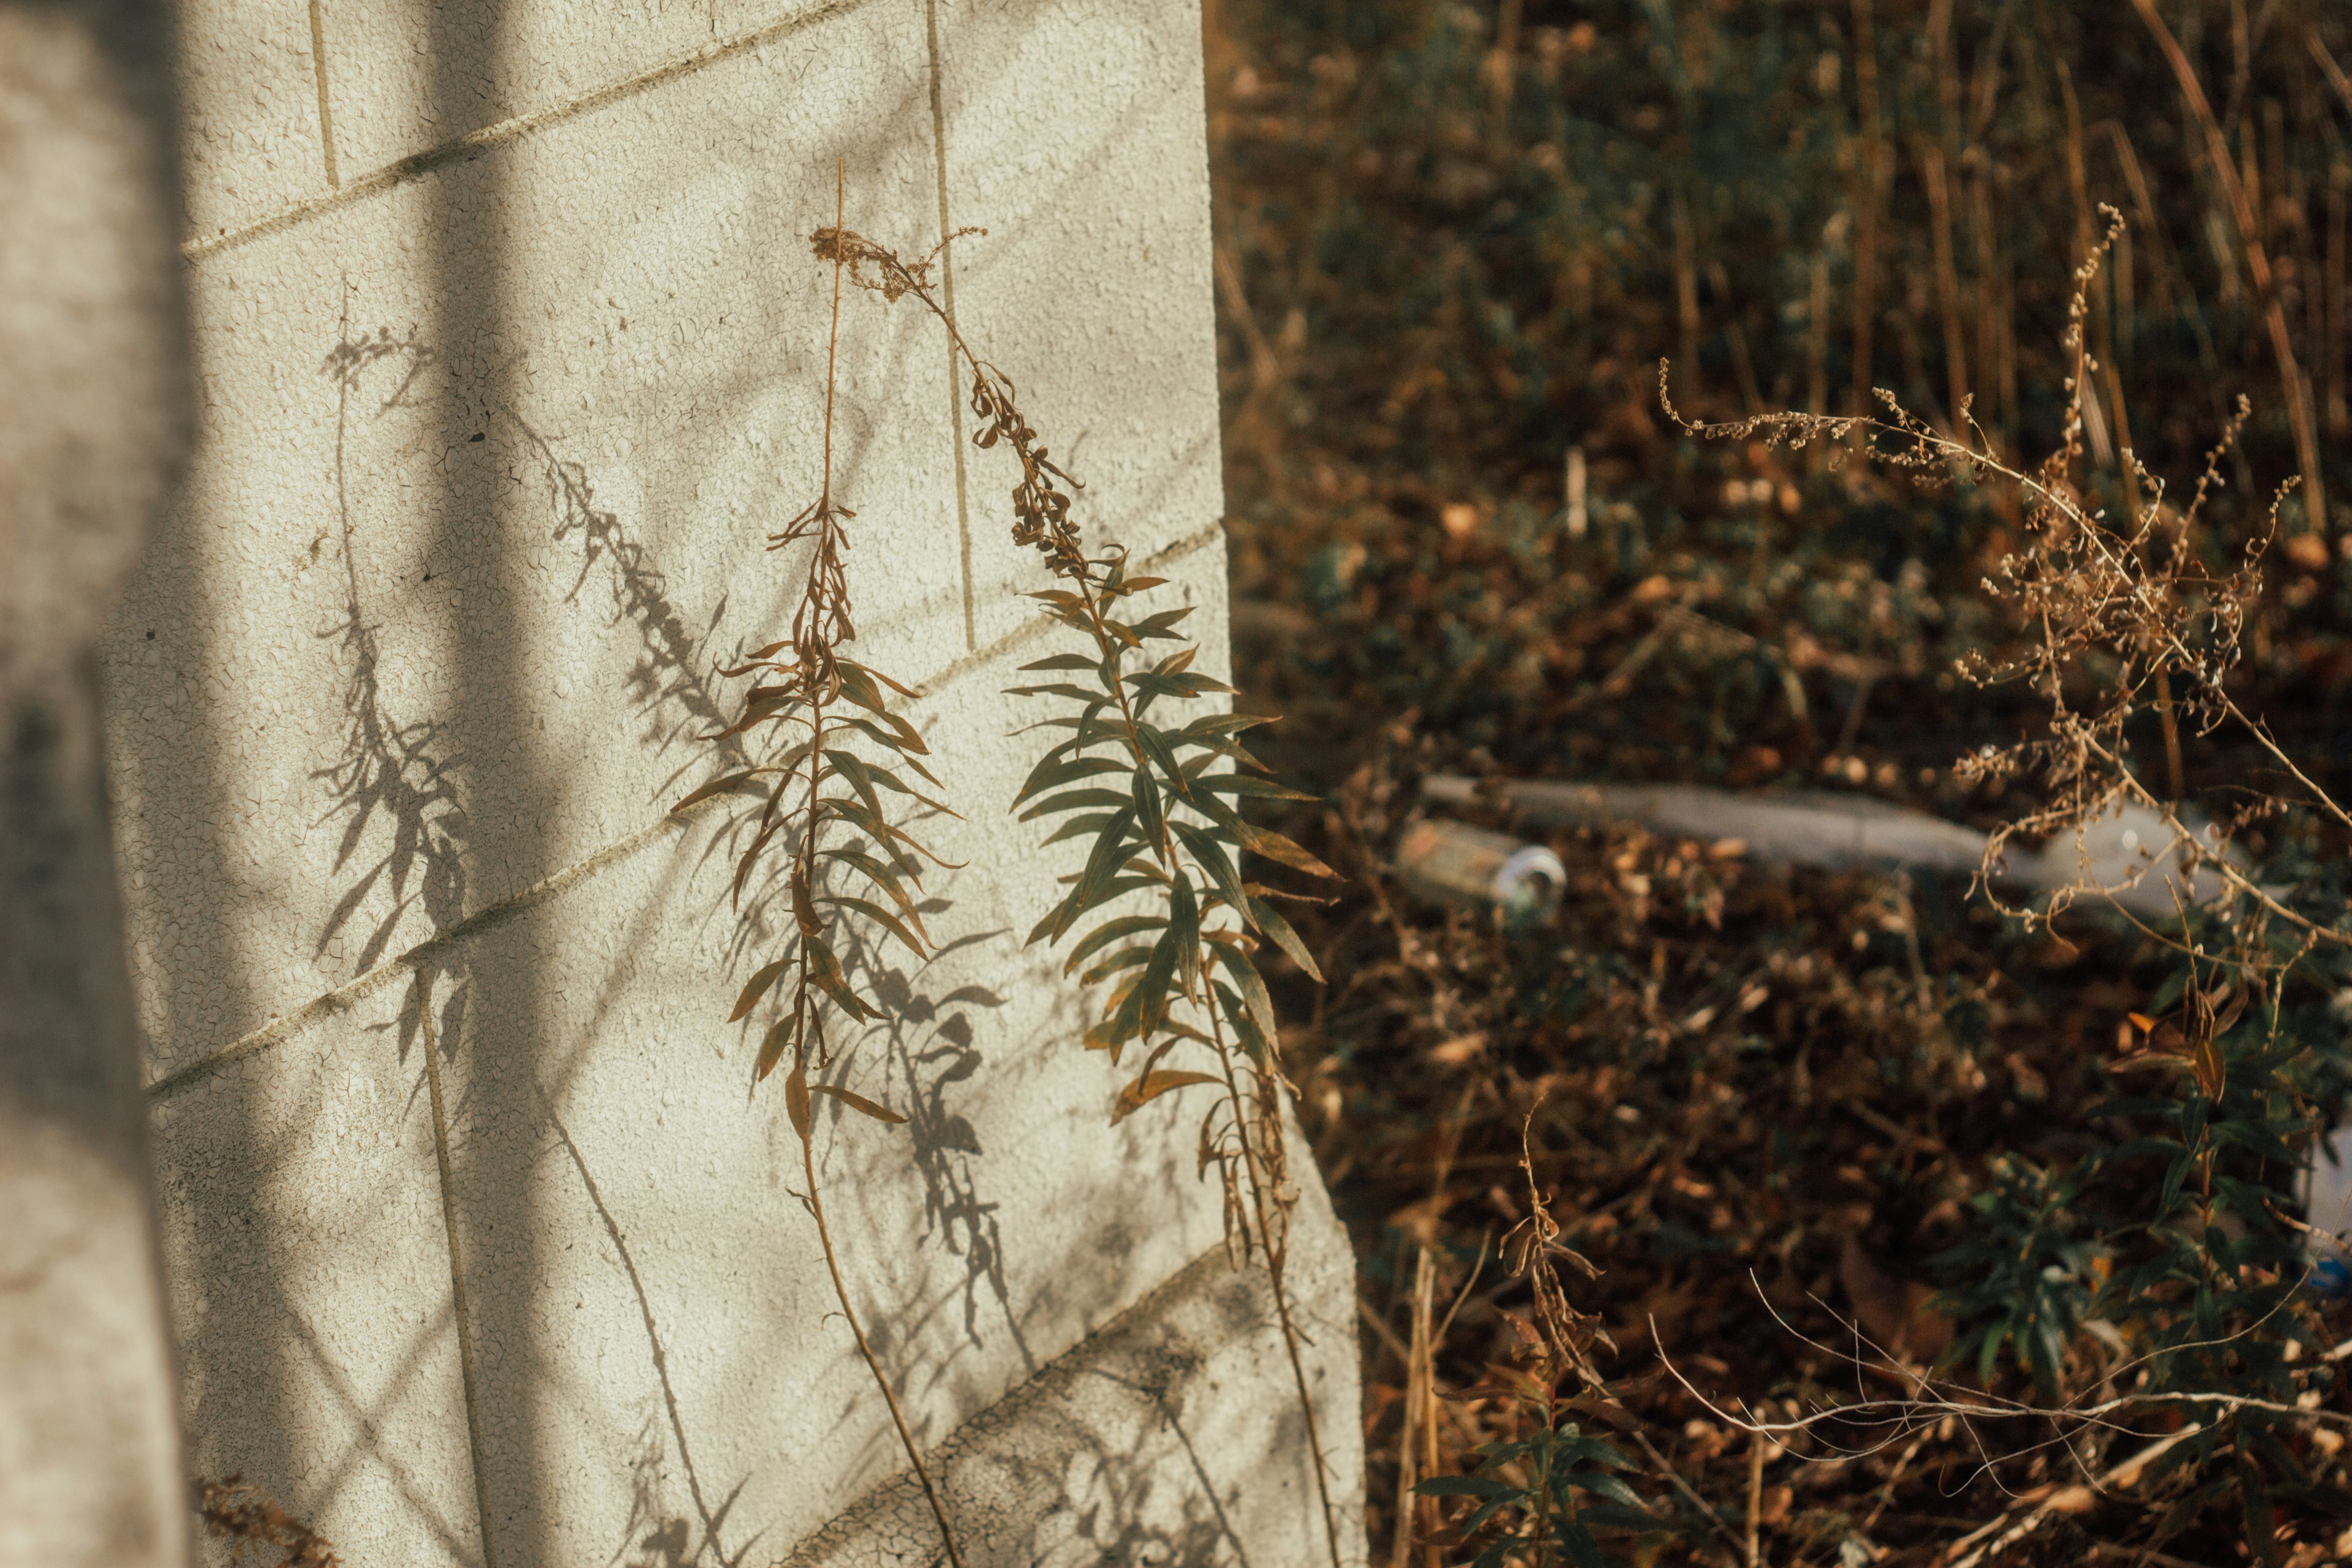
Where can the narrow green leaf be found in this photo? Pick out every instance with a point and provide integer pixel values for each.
(1083, 826)
(1177, 687)
(1158, 974)
(881, 917)
(1184, 931)
(1050, 925)
(1056, 771)
(1267, 920)
(1252, 987)
(1212, 859)
(1110, 853)
(1213, 726)
(1109, 931)
(1460, 1486)
(1125, 958)
(1243, 784)
(1076, 800)
(1062, 688)
(1155, 745)
(1148, 815)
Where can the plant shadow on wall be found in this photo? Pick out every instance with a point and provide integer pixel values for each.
(388, 770)
(392, 778)
(667, 1539)
(666, 684)
(933, 1046)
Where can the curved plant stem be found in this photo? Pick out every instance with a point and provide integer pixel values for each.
(796, 1091)
(1274, 1271)
(898, 1418)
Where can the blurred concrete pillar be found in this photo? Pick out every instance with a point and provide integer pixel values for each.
(92, 425)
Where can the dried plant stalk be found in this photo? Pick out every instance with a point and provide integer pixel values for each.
(2133, 591)
(842, 748)
(250, 1519)
(1181, 975)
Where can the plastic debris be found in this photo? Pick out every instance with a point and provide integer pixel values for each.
(2328, 1209)
(1470, 868)
(2130, 855)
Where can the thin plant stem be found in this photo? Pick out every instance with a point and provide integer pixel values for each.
(898, 1418)
(1290, 1335)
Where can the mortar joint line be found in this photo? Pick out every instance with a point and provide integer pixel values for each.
(349, 996)
(474, 144)
(429, 1039)
(947, 297)
(319, 71)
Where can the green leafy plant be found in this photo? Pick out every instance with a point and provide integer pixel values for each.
(2025, 1275)
(1162, 917)
(1535, 1495)
(838, 750)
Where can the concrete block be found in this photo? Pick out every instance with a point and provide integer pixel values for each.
(249, 135)
(492, 446)
(1092, 289)
(408, 76)
(309, 1264)
(479, 504)
(1173, 1435)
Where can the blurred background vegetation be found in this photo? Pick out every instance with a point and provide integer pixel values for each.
(1453, 242)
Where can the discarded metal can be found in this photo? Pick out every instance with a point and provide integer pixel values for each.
(1469, 868)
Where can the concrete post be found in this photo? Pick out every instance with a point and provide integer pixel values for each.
(91, 426)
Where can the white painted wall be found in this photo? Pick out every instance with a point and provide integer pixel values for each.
(482, 1252)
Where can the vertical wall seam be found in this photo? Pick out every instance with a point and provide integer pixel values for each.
(319, 73)
(947, 295)
(430, 1040)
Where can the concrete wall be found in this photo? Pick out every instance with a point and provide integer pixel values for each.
(510, 353)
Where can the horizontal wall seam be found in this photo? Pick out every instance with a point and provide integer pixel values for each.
(342, 999)
(476, 142)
